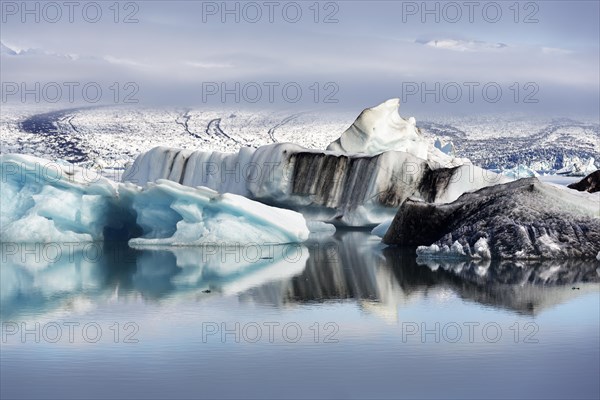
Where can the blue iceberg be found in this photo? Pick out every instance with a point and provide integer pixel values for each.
(44, 201)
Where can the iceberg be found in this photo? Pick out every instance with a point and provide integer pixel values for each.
(525, 219)
(357, 188)
(590, 183)
(520, 171)
(172, 214)
(44, 201)
(341, 189)
(578, 167)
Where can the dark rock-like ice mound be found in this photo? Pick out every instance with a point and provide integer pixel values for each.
(590, 183)
(525, 219)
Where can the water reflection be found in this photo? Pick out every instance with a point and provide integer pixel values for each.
(351, 266)
(354, 265)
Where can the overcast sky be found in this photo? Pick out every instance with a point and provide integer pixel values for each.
(368, 52)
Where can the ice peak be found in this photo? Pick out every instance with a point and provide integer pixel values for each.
(381, 128)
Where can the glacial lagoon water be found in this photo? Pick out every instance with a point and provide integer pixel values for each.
(342, 317)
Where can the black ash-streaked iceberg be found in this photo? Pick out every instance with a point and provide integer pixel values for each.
(362, 179)
(590, 183)
(525, 219)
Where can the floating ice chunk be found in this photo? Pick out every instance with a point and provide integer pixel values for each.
(382, 228)
(524, 219)
(172, 214)
(320, 230)
(434, 251)
(520, 171)
(45, 201)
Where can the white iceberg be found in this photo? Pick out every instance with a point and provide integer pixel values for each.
(479, 250)
(380, 129)
(578, 167)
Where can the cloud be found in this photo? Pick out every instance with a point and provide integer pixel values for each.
(207, 65)
(123, 61)
(461, 45)
(555, 51)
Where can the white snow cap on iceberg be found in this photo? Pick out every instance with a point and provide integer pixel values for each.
(381, 128)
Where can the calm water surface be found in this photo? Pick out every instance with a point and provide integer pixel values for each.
(337, 318)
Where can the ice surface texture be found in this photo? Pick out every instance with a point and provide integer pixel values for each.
(525, 219)
(44, 201)
(579, 167)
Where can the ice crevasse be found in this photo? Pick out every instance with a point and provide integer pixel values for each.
(44, 201)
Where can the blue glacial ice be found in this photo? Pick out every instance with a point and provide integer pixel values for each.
(172, 214)
(44, 201)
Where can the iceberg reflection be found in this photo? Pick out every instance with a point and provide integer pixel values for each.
(350, 266)
(32, 283)
(385, 279)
